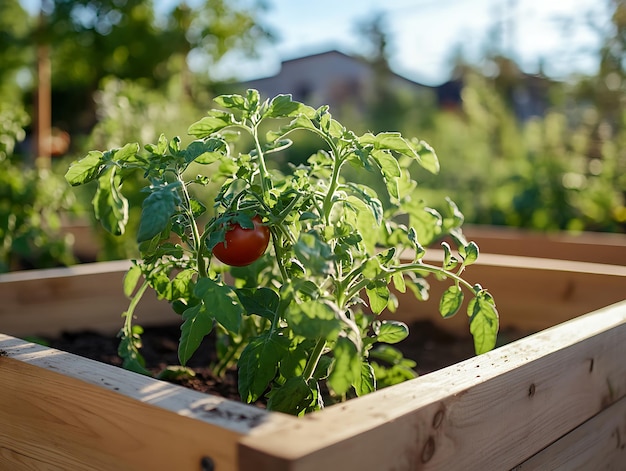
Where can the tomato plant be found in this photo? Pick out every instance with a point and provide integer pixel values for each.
(243, 245)
(301, 321)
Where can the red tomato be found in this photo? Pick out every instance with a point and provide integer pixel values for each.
(242, 246)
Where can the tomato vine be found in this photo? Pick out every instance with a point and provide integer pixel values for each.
(301, 321)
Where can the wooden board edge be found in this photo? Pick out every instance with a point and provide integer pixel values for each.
(554, 380)
(217, 411)
(599, 443)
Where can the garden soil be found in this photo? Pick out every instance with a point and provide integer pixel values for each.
(430, 347)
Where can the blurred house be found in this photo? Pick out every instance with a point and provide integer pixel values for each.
(341, 80)
(335, 79)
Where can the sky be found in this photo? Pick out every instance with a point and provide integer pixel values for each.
(425, 33)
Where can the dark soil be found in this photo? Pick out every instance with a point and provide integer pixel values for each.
(431, 347)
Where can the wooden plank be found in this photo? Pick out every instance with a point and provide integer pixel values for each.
(87, 296)
(489, 412)
(60, 411)
(599, 443)
(595, 247)
(531, 293)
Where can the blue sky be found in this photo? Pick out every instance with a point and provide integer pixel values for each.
(425, 33)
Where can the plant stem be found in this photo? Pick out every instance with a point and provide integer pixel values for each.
(314, 359)
(408, 268)
(197, 240)
(132, 306)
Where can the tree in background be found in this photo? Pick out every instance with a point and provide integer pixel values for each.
(93, 39)
(15, 51)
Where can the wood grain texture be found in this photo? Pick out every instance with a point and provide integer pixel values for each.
(489, 412)
(598, 444)
(62, 412)
(594, 247)
(531, 294)
(88, 296)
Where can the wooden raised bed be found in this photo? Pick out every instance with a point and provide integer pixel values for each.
(553, 400)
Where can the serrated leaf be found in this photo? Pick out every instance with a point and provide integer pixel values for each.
(299, 122)
(346, 368)
(156, 211)
(484, 322)
(390, 169)
(378, 296)
(449, 262)
(419, 287)
(258, 364)
(205, 151)
(471, 253)
(313, 320)
(293, 397)
(427, 156)
(197, 324)
(86, 169)
(262, 301)
(392, 332)
(234, 101)
(365, 383)
(282, 106)
(451, 301)
(110, 206)
(222, 302)
(215, 121)
(126, 153)
(426, 222)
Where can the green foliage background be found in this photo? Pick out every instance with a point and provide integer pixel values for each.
(120, 74)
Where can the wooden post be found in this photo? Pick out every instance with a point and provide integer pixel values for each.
(42, 102)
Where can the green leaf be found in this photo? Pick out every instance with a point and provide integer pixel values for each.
(282, 106)
(215, 121)
(418, 286)
(86, 169)
(453, 217)
(176, 372)
(426, 222)
(258, 364)
(110, 206)
(378, 295)
(484, 322)
(205, 151)
(390, 169)
(182, 286)
(449, 262)
(451, 301)
(470, 253)
(157, 209)
(197, 324)
(236, 102)
(128, 350)
(398, 282)
(313, 320)
(294, 397)
(392, 331)
(427, 156)
(126, 153)
(299, 122)
(346, 367)
(131, 278)
(262, 301)
(365, 383)
(222, 302)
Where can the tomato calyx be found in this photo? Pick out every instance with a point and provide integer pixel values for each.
(245, 240)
